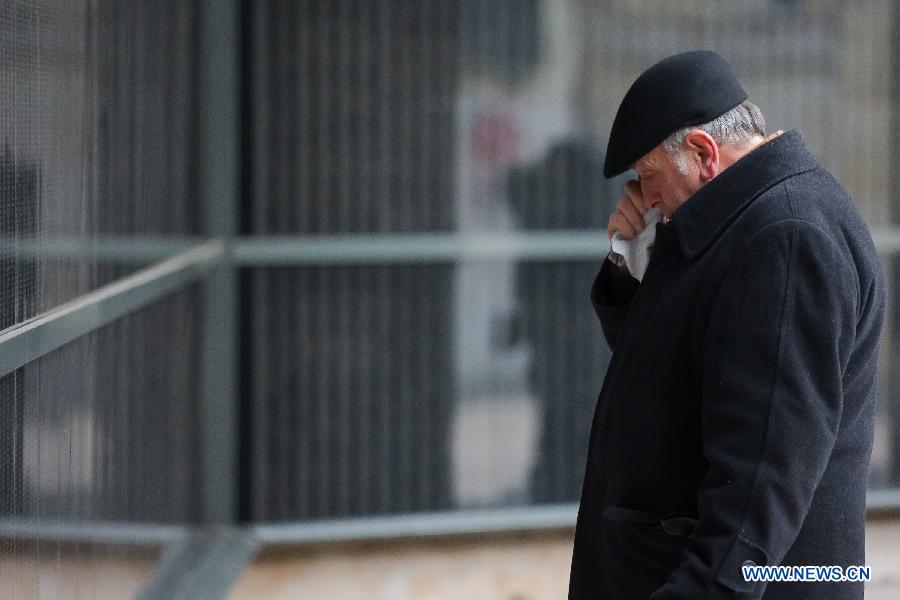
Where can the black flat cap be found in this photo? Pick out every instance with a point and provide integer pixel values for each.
(685, 89)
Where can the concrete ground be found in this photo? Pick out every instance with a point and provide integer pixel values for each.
(513, 567)
(103, 575)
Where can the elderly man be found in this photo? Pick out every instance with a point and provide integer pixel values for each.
(734, 427)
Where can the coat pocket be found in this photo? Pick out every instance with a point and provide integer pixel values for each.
(676, 524)
(636, 550)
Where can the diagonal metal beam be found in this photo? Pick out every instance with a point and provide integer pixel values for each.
(47, 332)
(202, 566)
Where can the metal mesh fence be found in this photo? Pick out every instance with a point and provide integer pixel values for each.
(104, 429)
(97, 141)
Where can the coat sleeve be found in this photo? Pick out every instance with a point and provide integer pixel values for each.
(775, 347)
(611, 296)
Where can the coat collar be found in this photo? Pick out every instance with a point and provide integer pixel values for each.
(704, 216)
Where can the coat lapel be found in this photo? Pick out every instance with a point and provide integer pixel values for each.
(704, 216)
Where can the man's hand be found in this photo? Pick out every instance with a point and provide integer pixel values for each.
(628, 217)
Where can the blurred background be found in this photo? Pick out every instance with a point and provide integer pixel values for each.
(294, 295)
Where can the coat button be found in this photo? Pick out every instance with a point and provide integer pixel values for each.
(749, 563)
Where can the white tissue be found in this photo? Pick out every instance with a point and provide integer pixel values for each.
(637, 251)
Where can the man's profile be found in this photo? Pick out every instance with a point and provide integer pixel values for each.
(734, 427)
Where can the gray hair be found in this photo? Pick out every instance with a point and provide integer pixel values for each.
(736, 126)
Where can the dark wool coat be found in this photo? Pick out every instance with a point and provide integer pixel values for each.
(735, 423)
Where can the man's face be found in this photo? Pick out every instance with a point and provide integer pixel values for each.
(662, 184)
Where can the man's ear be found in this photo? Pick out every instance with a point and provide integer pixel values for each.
(701, 148)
